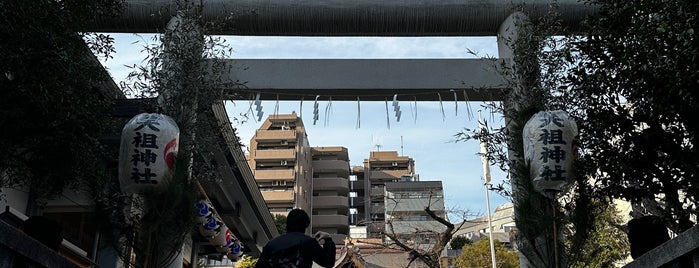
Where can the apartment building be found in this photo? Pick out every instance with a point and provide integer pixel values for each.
(502, 220)
(292, 174)
(405, 211)
(358, 198)
(330, 206)
(382, 167)
(281, 161)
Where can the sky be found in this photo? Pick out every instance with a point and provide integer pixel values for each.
(428, 138)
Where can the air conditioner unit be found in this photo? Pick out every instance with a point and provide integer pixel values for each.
(286, 128)
(285, 142)
(284, 163)
(395, 164)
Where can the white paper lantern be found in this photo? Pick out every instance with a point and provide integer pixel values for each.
(548, 147)
(204, 211)
(149, 144)
(236, 251)
(223, 239)
(212, 227)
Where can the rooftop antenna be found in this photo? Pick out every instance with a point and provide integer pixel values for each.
(376, 140)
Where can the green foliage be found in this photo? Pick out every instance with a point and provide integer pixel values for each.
(603, 247)
(246, 262)
(459, 242)
(634, 85)
(478, 255)
(180, 72)
(52, 106)
(280, 222)
(168, 217)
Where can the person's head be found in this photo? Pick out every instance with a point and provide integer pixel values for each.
(297, 221)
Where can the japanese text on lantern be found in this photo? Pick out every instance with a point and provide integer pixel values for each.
(146, 145)
(548, 147)
(554, 150)
(148, 151)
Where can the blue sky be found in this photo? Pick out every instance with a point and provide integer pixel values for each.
(428, 138)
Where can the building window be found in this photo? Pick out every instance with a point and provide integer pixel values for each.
(353, 194)
(353, 177)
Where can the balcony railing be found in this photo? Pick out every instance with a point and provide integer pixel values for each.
(283, 154)
(280, 196)
(274, 174)
(376, 192)
(387, 174)
(261, 135)
(333, 221)
(340, 202)
(336, 166)
(341, 185)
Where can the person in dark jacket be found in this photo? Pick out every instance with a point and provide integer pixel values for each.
(295, 249)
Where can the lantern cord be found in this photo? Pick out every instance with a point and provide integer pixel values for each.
(388, 120)
(359, 114)
(555, 231)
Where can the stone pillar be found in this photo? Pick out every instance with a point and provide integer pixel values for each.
(519, 52)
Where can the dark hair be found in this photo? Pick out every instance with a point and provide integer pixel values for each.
(297, 221)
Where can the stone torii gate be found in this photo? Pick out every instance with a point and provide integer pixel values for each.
(372, 79)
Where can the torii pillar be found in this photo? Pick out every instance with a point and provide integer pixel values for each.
(546, 252)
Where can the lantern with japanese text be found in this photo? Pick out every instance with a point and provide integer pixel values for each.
(229, 240)
(548, 148)
(223, 238)
(236, 251)
(147, 154)
(204, 211)
(211, 228)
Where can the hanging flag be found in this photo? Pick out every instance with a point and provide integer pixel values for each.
(484, 149)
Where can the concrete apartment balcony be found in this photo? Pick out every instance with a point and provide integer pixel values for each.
(341, 222)
(340, 202)
(376, 192)
(336, 152)
(387, 174)
(275, 135)
(278, 197)
(341, 185)
(281, 154)
(340, 167)
(274, 174)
